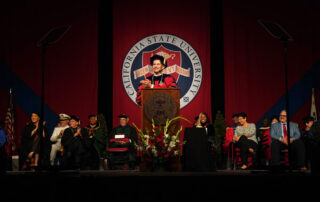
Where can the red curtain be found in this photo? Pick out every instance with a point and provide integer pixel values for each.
(254, 61)
(71, 84)
(135, 20)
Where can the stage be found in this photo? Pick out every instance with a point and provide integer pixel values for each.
(158, 186)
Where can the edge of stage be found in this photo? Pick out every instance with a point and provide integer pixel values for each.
(158, 186)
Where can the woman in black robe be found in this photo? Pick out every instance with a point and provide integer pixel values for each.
(30, 144)
(203, 121)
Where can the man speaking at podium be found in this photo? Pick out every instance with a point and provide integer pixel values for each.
(158, 79)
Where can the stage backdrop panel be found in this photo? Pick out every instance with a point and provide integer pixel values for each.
(177, 30)
(254, 61)
(71, 84)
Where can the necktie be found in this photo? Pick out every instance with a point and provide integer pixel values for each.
(285, 134)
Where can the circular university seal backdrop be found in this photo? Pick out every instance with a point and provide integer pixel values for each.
(182, 60)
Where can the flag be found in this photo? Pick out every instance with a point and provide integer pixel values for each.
(9, 127)
(313, 107)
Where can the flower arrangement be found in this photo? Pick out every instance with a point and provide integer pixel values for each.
(160, 143)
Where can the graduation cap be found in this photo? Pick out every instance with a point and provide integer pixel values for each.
(64, 117)
(74, 118)
(122, 116)
(158, 57)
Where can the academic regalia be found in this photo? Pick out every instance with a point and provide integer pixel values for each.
(162, 81)
(75, 148)
(210, 133)
(32, 144)
(99, 139)
(96, 148)
(211, 144)
(129, 133)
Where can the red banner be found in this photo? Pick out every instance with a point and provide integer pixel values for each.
(254, 60)
(177, 30)
(71, 84)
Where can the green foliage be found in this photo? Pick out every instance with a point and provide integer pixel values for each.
(220, 130)
(104, 128)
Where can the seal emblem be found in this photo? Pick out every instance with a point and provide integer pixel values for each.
(183, 63)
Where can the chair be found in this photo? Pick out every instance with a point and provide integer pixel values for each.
(118, 153)
(236, 159)
(264, 144)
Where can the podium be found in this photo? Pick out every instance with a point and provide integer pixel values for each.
(159, 104)
(196, 155)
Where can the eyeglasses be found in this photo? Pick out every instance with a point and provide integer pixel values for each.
(283, 115)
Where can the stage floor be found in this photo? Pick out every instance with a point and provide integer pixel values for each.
(159, 186)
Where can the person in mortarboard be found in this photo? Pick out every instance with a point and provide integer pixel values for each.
(124, 136)
(75, 143)
(158, 79)
(57, 135)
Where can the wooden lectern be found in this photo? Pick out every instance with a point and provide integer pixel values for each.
(159, 104)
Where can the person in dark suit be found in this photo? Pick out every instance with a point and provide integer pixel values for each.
(279, 141)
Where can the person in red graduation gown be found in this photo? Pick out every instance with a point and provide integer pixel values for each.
(158, 79)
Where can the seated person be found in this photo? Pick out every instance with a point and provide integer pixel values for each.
(245, 139)
(57, 135)
(274, 119)
(235, 119)
(265, 127)
(279, 140)
(263, 137)
(123, 136)
(158, 79)
(307, 131)
(306, 136)
(75, 142)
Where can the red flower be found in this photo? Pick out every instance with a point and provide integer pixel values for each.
(154, 128)
(151, 142)
(151, 133)
(159, 139)
(160, 153)
(161, 144)
(149, 150)
(148, 159)
(166, 155)
(161, 135)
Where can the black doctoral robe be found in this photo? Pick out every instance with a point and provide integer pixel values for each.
(130, 133)
(30, 143)
(75, 149)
